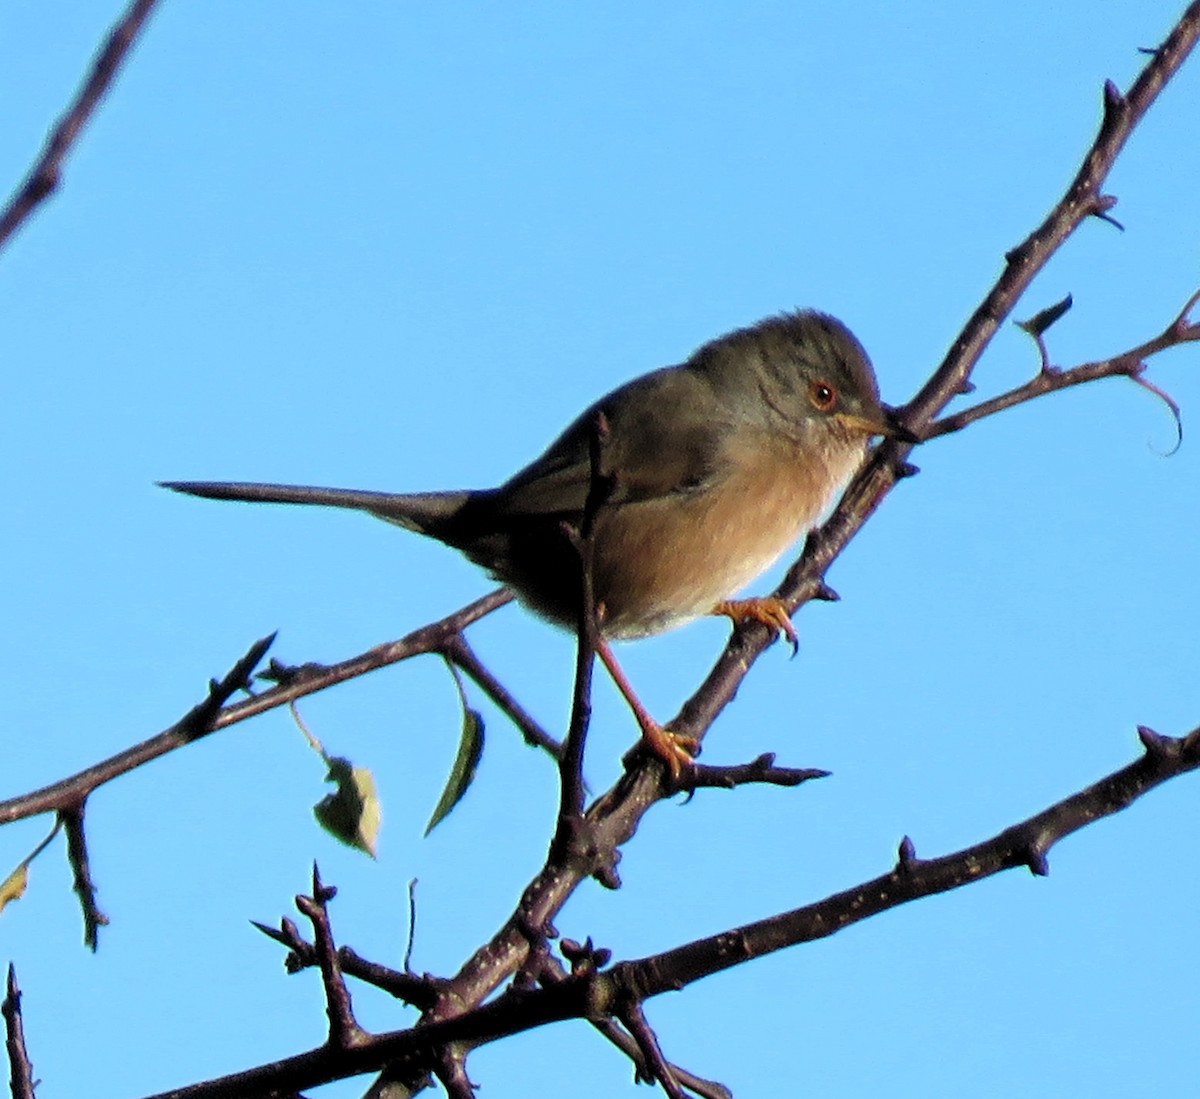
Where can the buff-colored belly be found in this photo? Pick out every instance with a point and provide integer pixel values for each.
(660, 563)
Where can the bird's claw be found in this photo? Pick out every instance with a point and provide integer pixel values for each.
(676, 751)
(766, 609)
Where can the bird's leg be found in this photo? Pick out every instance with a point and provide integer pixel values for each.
(676, 750)
(767, 609)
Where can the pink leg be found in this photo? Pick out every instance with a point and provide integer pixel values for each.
(674, 749)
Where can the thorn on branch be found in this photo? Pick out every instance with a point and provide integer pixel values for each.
(285, 675)
(1036, 860)
(344, 1031)
(1114, 101)
(906, 856)
(607, 877)
(1100, 210)
(825, 593)
(199, 720)
(903, 470)
(20, 1068)
(300, 952)
(1158, 746)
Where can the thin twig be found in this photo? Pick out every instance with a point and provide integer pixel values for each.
(46, 174)
(344, 1031)
(1128, 364)
(420, 992)
(20, 1067)
(411, 940)
(85, 889)
(634, 1020)
(600, 487)
(760, 770)
(212, 714)
(461, 654)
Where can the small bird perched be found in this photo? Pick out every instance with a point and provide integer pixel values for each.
(714, 467)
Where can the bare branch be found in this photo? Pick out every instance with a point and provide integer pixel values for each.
(421, 992)
(460, 653)
(344, 1031)
(214, 714)
(1049, 379)
(760, 770)
(634, 1020)
(70, 793)
(570, 770)
(46, 173)
(85, 890)
(22, 1082)
(592, 992)
(1026, 844)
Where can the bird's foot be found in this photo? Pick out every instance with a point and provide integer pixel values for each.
(765, 609)
(676, 750)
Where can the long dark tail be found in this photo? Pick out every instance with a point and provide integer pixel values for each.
(425, 512)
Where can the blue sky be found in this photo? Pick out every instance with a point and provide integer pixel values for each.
(398, 247)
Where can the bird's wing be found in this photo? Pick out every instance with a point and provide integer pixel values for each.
(664, 435)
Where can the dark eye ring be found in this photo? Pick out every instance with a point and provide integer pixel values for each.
(823, 396)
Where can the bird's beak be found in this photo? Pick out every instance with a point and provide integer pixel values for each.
(882, 423)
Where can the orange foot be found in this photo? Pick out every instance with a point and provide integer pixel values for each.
(676, 750)
(766, 609)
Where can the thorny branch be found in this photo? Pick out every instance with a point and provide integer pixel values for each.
(1049, 378)
(596, 993)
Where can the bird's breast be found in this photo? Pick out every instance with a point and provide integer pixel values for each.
(661, 562)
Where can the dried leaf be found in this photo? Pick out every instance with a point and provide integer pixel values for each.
(13, 887)
(352, 813)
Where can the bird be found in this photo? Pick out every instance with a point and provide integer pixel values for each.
(709, 470)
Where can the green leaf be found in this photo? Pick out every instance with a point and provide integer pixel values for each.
(1039, 322)
(352, 813)
(470, 748)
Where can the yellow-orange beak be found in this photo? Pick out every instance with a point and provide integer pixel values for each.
(882, 424)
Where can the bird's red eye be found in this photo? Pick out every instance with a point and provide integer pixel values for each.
(822, 395)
